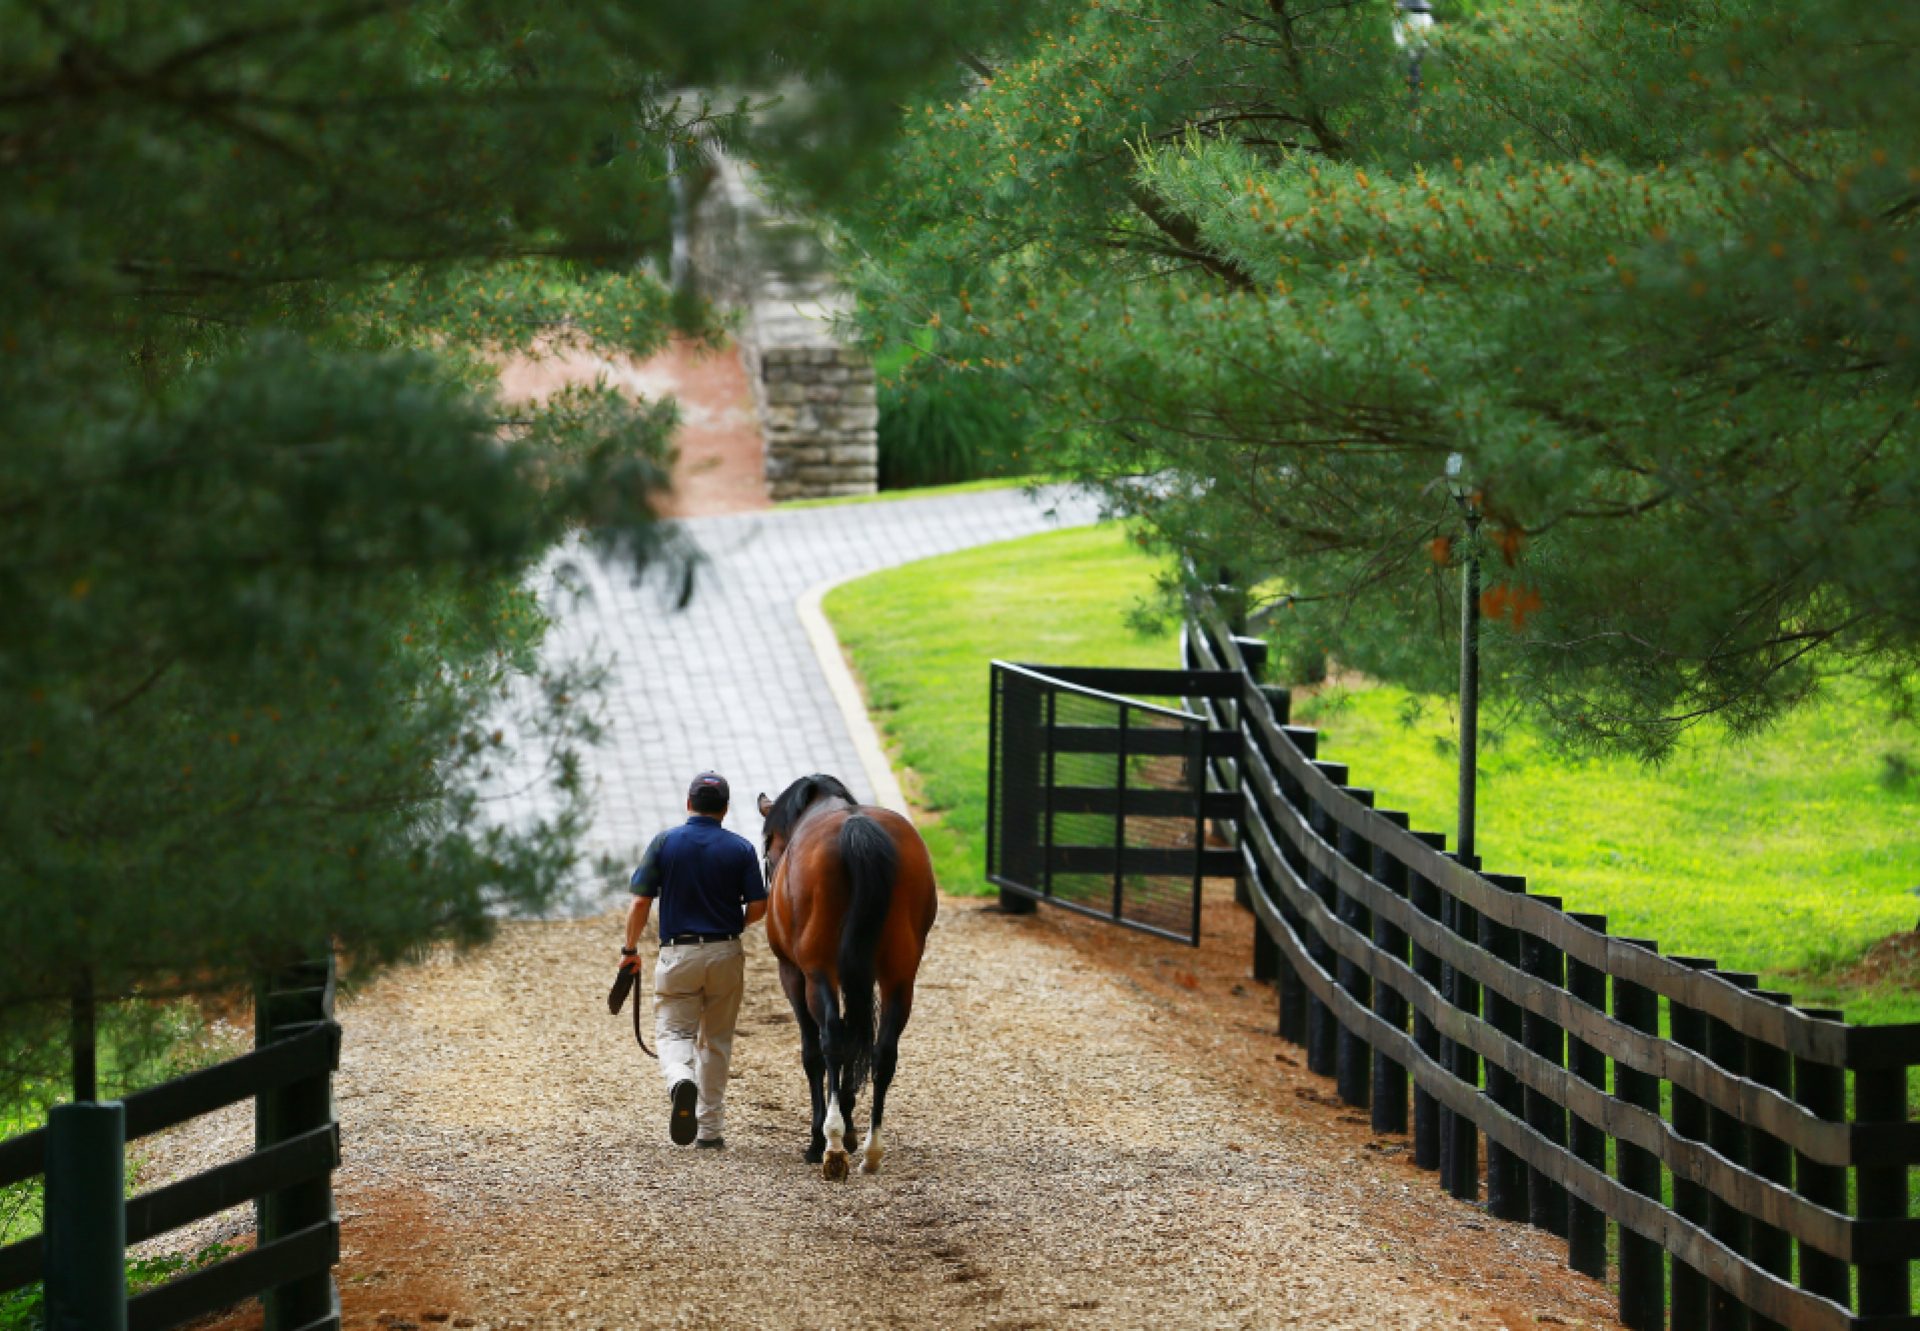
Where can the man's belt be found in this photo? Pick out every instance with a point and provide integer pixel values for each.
(679, 939)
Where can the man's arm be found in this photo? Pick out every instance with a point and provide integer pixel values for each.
(646, 886)
(753, 890)
(637, 915)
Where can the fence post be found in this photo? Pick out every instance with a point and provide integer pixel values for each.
(1506, 1172)
(1821, 1089)
(1770, 1066)
(1586, 1223)
(1643, 1276)
(1322, 1029)
(279, 1115)
(1389, 1078)
(1353, 1060)
(1426, 1110)
(1293, 998)
(1688, 1027)
(1459, 1135)
(1013, 803)
(1728, 1135)
(1880, 1096)
(1269, 963)
(86, 1217)
(1546, 1200)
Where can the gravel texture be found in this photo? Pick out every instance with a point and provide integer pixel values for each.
(1090, 1128)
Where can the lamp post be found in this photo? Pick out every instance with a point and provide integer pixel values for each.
(1412, 29)
(1462, 493)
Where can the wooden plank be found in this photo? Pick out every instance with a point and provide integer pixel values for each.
(310, 1251)
(23, 1157)
(295, 1160)
(1148, 683)
(1157, 743)
(21, 1262)
(1758, 1105)
(1052, 684)
(1147, 803)
(1694, 1162)
(1174, 863)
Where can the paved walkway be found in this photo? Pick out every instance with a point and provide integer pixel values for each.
(731, 682)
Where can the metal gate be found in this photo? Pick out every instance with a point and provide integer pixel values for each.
(1099, 802)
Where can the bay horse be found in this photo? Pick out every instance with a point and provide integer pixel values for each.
(851, 902)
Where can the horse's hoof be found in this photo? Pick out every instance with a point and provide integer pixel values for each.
(812, 1154)
(833, 1167)
(870, 1164)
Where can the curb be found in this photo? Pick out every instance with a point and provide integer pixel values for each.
(846, 695)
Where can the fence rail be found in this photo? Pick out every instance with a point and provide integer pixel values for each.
(288, 1076)
(1456, 1005)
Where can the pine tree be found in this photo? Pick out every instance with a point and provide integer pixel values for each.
(1647, 271)
(267, 529)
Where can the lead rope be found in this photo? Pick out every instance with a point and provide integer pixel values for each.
(639, 988)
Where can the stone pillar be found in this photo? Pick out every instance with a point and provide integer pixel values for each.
(819, 418)
(814, 393)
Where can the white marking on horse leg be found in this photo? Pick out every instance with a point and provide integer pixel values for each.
(836, 1126)
(873, 1150)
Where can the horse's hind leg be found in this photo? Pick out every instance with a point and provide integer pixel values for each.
(811, 1058)
(895, 1008)
(825, 1005)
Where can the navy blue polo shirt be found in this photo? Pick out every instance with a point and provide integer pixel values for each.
(703, 876)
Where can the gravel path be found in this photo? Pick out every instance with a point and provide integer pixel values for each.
(1089, 1129)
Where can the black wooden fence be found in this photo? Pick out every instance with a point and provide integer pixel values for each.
(1754, 1159)
(289, 1176)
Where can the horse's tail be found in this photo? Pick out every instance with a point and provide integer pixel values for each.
(871, 863)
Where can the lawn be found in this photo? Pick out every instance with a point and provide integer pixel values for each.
(921, 636)
(1789, 855)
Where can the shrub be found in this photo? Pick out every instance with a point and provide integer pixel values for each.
(938, 426)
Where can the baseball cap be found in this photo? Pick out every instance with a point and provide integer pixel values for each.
(709, 790)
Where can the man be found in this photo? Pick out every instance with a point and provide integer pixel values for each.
(710, 890)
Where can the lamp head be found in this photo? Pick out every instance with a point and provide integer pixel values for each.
(1413, 24)
(1457, 483)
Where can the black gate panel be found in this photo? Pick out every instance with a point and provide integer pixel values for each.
(1098, 802)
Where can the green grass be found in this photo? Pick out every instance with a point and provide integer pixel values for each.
(1788, 855)
(923, 492)
(921, 636)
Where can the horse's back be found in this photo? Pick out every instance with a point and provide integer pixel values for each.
(811, 894)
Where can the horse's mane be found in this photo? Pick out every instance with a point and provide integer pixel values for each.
(797, 798)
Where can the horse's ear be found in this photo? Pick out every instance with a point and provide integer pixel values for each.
(766, 805)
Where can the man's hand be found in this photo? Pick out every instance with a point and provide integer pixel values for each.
(631, 963)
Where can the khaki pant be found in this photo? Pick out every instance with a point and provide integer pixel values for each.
(696, 1000)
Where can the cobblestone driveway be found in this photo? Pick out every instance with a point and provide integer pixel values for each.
(731, 682)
